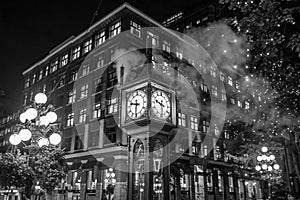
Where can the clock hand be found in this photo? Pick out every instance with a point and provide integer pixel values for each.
(160, 103)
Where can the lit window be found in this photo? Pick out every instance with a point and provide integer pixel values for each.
(179, 53)
(165, 68)
(220, 181)
(194, 123)
(112, 78)
(53, 66)
(223, 95)
(205, 125)
(64, 60)
(239, 104)
(70, 119)
(84, 91)
(72, 96)
(230, 80)
(115, 29)
(87, 46)
(247, 105)
(76, 53)
(135, 29)
(100, 61)
(112, 105)
(203, 87)
(46, 71)
(230, 182)
(85, 69)
(181, 119)
(82, 115)
(97, 110)
(152, 40)
(222, 77)
(98, 85)
(100, 38)
(27, 82)
(41, 74)
(73, 75)
(31, 96)
(237, 85)
(214, 90)
(44, 88)
(232, 100)
(166, 46)
(209, 180)
(25, 99)
(213, 71)
(217, 132)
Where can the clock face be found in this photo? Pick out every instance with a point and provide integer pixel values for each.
(160, 104)
(136, 104)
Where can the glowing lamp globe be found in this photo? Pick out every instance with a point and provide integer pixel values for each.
(31, 113)
(15, 139)
(25, 134)
(276, 166)
(23, 117)
(44, 121)
(259, 158)
(257, 168)
(43, 142)
(264, 166)
(40, 98)
(264, 149)
(51, 116)
(55, 138)
(272, 157)
(270, 168)
(264, 157)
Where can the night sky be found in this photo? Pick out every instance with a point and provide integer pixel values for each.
(30, 29)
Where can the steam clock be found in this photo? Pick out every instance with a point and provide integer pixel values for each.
(148, 115)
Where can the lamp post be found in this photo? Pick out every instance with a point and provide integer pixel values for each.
(37, 124)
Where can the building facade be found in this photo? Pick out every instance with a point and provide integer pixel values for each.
(119, 119)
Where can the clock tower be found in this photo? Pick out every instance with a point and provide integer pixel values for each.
(148, 115)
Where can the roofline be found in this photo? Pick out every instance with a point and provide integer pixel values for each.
(125, 5)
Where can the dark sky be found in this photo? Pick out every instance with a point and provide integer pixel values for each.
(30, 29)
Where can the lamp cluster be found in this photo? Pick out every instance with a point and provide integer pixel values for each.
(266, 162)
(33, 120)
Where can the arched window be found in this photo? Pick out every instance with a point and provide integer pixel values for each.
(138, 170)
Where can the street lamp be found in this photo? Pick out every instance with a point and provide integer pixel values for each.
(265, 162)
(37, 122)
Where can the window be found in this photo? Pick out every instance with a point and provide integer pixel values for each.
(214, 90)
(110, 135)
(135, 29)
(112, 105)
(78, 145)
(31, 96)
(179, 53)
(85, 69)
(209, 180)
(100, 38)
(44, 88)
(84, 91)
(100, 61)
(152, 40)
(166, 46)
(27, 82)
(113, 51)
(87, 46)
(237, 85)
(239, 103)
(70, 119)
(223, 95)
(112, 78)
(98, 85)
(76, 53)
(230, 80)
(72, 96)
(96, 110)
(213, 71)
(64, 60)
(222, 77)
(230, 182)
(25, 99)
(205, 125)
(232, 100)
(217, 132)
(82, 115)
(203, 87)
(247, 105)
(181, 119)
(40, 75)
(53, 84)
(115, 29)
(194, 123)
(93, 139)
(220, 181)
(46, 71)
(53, 66)
(62, 80)
(73, 75)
